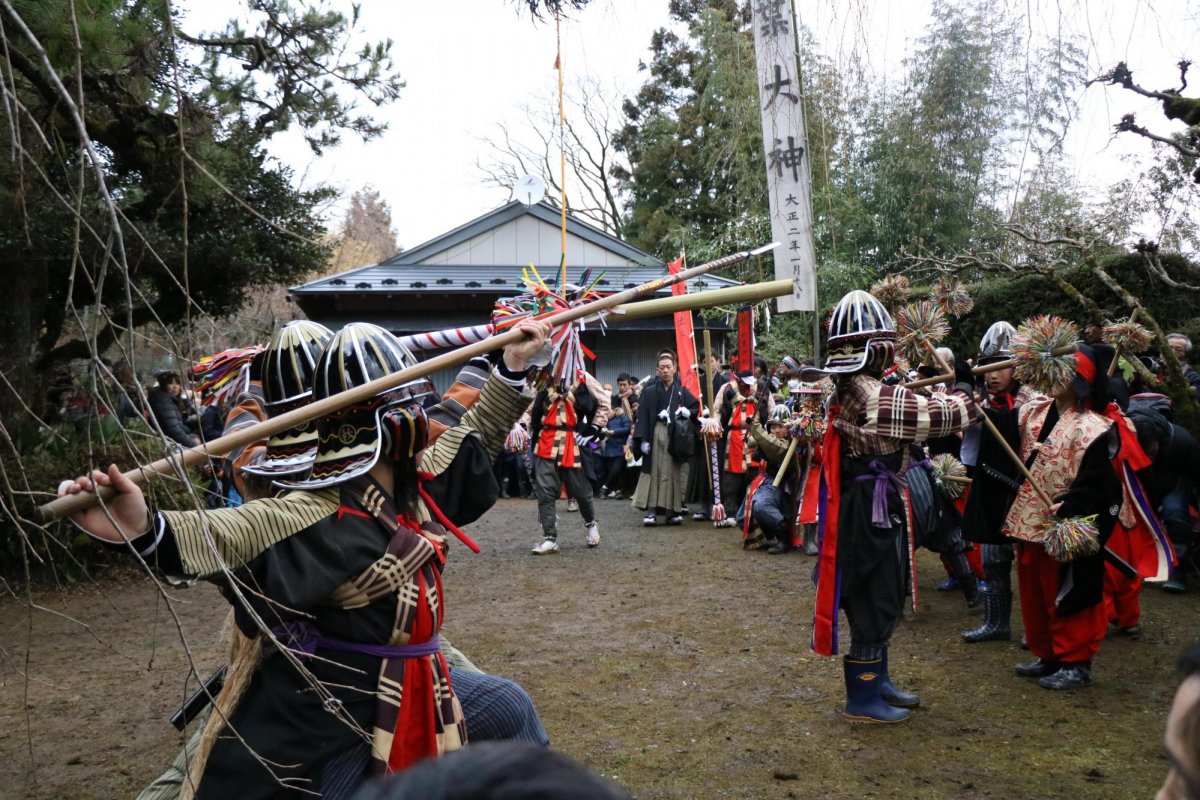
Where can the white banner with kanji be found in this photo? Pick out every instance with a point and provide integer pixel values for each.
(786, 144)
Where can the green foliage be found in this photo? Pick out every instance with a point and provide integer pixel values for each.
(32, 464)
(179, 123)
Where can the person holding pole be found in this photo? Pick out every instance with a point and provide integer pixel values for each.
(866, 524)
(369, 538)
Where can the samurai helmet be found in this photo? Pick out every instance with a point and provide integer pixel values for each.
(286, 370)
(995, 344)
(780, 415)
(351, 440)
(861, 335)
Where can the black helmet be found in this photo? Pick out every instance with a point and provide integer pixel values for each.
(286, 370)
(861, 335)
(351, 440)
(289, 363)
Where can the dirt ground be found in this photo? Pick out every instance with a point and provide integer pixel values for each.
(667, 659)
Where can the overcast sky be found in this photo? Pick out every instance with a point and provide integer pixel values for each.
(473, 63)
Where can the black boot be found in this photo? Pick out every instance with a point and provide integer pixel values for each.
(782, 545)
(1069, 676)
(996, 609)
(888, 691)
(966, 579)
(810, 539)
(1038, 668)
(863, 703)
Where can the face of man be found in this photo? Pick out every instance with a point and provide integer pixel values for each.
(624, 387)
(1183, 779)
(999, 381)
(666, 370)
(1179, 348)
(1093, 333)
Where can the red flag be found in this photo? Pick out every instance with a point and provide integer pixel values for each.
(745, 334)
(685, 341)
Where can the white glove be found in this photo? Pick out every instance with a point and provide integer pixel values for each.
(683, 413)
(663, 416)
(645, 448)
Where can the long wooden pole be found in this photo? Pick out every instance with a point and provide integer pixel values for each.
(178, 461)
(660, 306)
(986, 368)
(992, 429)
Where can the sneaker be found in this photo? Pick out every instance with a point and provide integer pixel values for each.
(675, 519)
(572, 504)
(699, 516)
(1069, 676)
(545, 548)
(728, 522)
(1129, 632)
(649, 520)
(593, 533)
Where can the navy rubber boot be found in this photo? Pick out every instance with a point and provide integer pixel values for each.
(863, 703)
(888, 692)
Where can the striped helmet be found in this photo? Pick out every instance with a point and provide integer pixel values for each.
(351, 440)
(287, 368)
(861, 335)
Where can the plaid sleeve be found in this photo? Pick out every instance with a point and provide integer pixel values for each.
(894, 412)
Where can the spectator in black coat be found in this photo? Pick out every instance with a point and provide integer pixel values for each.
(166, 412)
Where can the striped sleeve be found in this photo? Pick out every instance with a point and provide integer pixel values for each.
(209, 540)
(500, 405)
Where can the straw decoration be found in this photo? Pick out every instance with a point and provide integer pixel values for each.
(1069, 539)
(1128, 336)
(945, 465)
(951, 294)
(1032, 347)
(921, 326)
(893, 291)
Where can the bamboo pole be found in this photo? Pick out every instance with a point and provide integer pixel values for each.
(178, 461)
(660, 306)
(787, 459)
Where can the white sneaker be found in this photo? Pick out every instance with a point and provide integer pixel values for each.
(728, 522)
(572, 504)
(545, 548)
(593, 533)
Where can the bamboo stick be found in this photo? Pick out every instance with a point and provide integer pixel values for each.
(787, 459)
(986, 368)
(178, 461)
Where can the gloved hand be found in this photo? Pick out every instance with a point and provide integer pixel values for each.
(683, 413)
(645, 448)
(662, 415)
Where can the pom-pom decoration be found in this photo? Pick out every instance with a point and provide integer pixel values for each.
(949, 475)
(921, 326)
(952, 296)
(1128, 337)
(1072, 538)
(807, 425)
(221, 377)
(1033, 346)
(566, 350)
(517, 439)
(893, 291)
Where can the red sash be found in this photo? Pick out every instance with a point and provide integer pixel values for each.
(735, 451)
(824, 636)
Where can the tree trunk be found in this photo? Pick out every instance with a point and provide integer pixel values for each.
(22, 385)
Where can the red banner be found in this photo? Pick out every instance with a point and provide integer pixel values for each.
(745, 341)
(685, 341)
